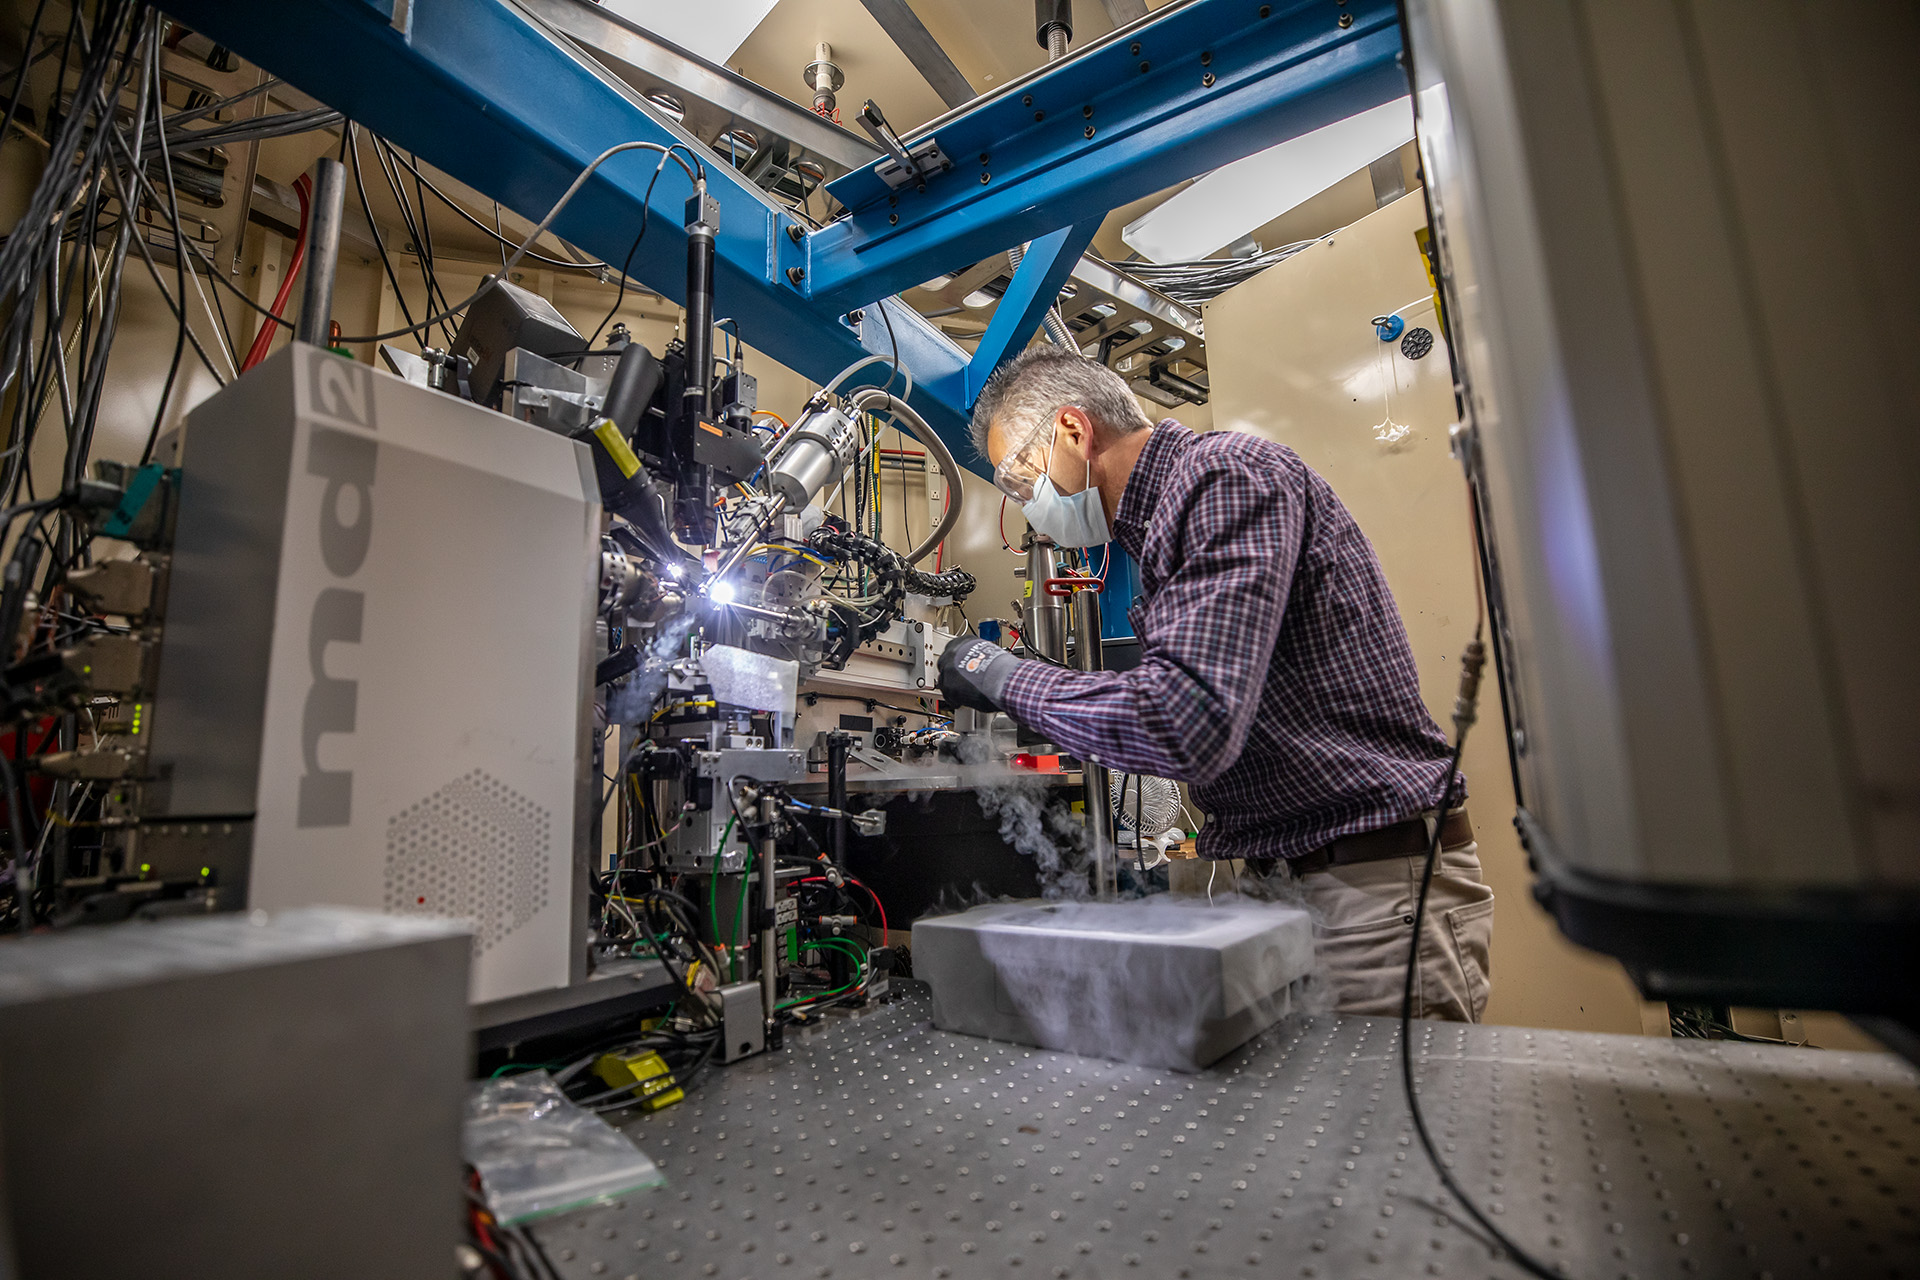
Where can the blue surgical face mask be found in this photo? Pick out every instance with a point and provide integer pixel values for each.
(1070, 519)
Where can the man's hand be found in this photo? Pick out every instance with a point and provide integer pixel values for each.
(974, 673)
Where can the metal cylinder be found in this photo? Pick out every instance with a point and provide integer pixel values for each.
(1100, 832)
(1045, 631)
(699, 386)
(323, 251)
(1053, 25)
(818, 450)
(824, 78)
(769, 935)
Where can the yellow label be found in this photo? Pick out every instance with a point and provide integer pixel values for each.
(1027, 591)
(617, 447)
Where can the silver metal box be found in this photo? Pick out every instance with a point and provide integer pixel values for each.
(235, 1096)
(1162, 983)
(1670, 236)
(375, 669)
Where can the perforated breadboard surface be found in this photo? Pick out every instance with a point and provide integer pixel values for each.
(877, 1146)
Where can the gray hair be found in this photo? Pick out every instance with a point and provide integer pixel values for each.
(1026, 391)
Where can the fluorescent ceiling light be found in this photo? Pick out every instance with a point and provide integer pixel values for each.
(977, 299)
(937, 283)
(1234, 200)
(715, 30)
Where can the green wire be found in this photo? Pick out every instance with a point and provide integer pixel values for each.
(843, 945)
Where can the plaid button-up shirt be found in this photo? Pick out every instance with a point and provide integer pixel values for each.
(1275, 675)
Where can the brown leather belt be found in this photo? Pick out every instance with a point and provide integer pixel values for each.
(1407, 839)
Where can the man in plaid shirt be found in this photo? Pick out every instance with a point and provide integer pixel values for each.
(1275, 677)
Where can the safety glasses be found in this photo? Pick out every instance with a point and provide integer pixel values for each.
(1021, 469)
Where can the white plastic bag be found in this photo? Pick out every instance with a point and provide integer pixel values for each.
(539, 1154)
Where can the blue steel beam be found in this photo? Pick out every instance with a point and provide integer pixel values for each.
(1036, 283)
(483, 94)
(1206, 84)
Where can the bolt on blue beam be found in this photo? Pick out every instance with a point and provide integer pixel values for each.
(477, 90)
(1210, 83)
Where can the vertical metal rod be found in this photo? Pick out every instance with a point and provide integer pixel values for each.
(1046, 621)
(702, 217)
(1100, 832)
(246, 186)
(838, 745)
(769, 936)
(323, 251)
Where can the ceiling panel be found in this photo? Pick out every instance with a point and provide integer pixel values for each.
(991, 41)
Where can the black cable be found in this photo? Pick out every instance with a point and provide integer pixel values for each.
(496, 232)
(695, 170)
(213, 271)
(27, 59)
(425, 243)
(646, 216)
(422, 249)
(379, 241)
(178, 308)
(180, 271)
(895, 342)
(256, 129)
(213, 108)
(626, 264)
(1519, 1256)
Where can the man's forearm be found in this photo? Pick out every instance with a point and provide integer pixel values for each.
(1139, 721)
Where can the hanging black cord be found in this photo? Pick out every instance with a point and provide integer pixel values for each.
(27, 60)
(496, 231)
(379, 241)
(180, 265)
(626, 264)
(434, 301)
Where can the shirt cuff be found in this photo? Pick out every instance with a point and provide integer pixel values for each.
(1030, 690)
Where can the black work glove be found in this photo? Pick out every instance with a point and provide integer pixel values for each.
(974, 673)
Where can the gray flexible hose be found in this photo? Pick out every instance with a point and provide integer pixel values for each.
(874, 400)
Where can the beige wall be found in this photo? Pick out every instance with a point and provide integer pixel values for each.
(1294, 359)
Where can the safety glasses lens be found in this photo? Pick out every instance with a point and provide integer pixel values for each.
(1021, 470)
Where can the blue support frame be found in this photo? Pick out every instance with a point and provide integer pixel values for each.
(1213, 82)
(480, 91)
(1036, 283)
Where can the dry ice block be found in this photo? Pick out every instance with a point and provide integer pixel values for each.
(1171, 984)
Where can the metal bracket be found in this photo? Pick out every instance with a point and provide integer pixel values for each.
(904, 167)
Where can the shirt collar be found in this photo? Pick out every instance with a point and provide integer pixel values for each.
(1164, 446)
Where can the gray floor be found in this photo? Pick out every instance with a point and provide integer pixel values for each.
(878, 1146)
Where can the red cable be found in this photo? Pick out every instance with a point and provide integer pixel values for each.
(1003, 530)
(885, 937)
(263, 340)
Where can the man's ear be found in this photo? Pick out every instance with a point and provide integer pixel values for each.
(1073, 424)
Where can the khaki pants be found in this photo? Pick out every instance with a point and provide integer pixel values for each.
(1363, 927)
